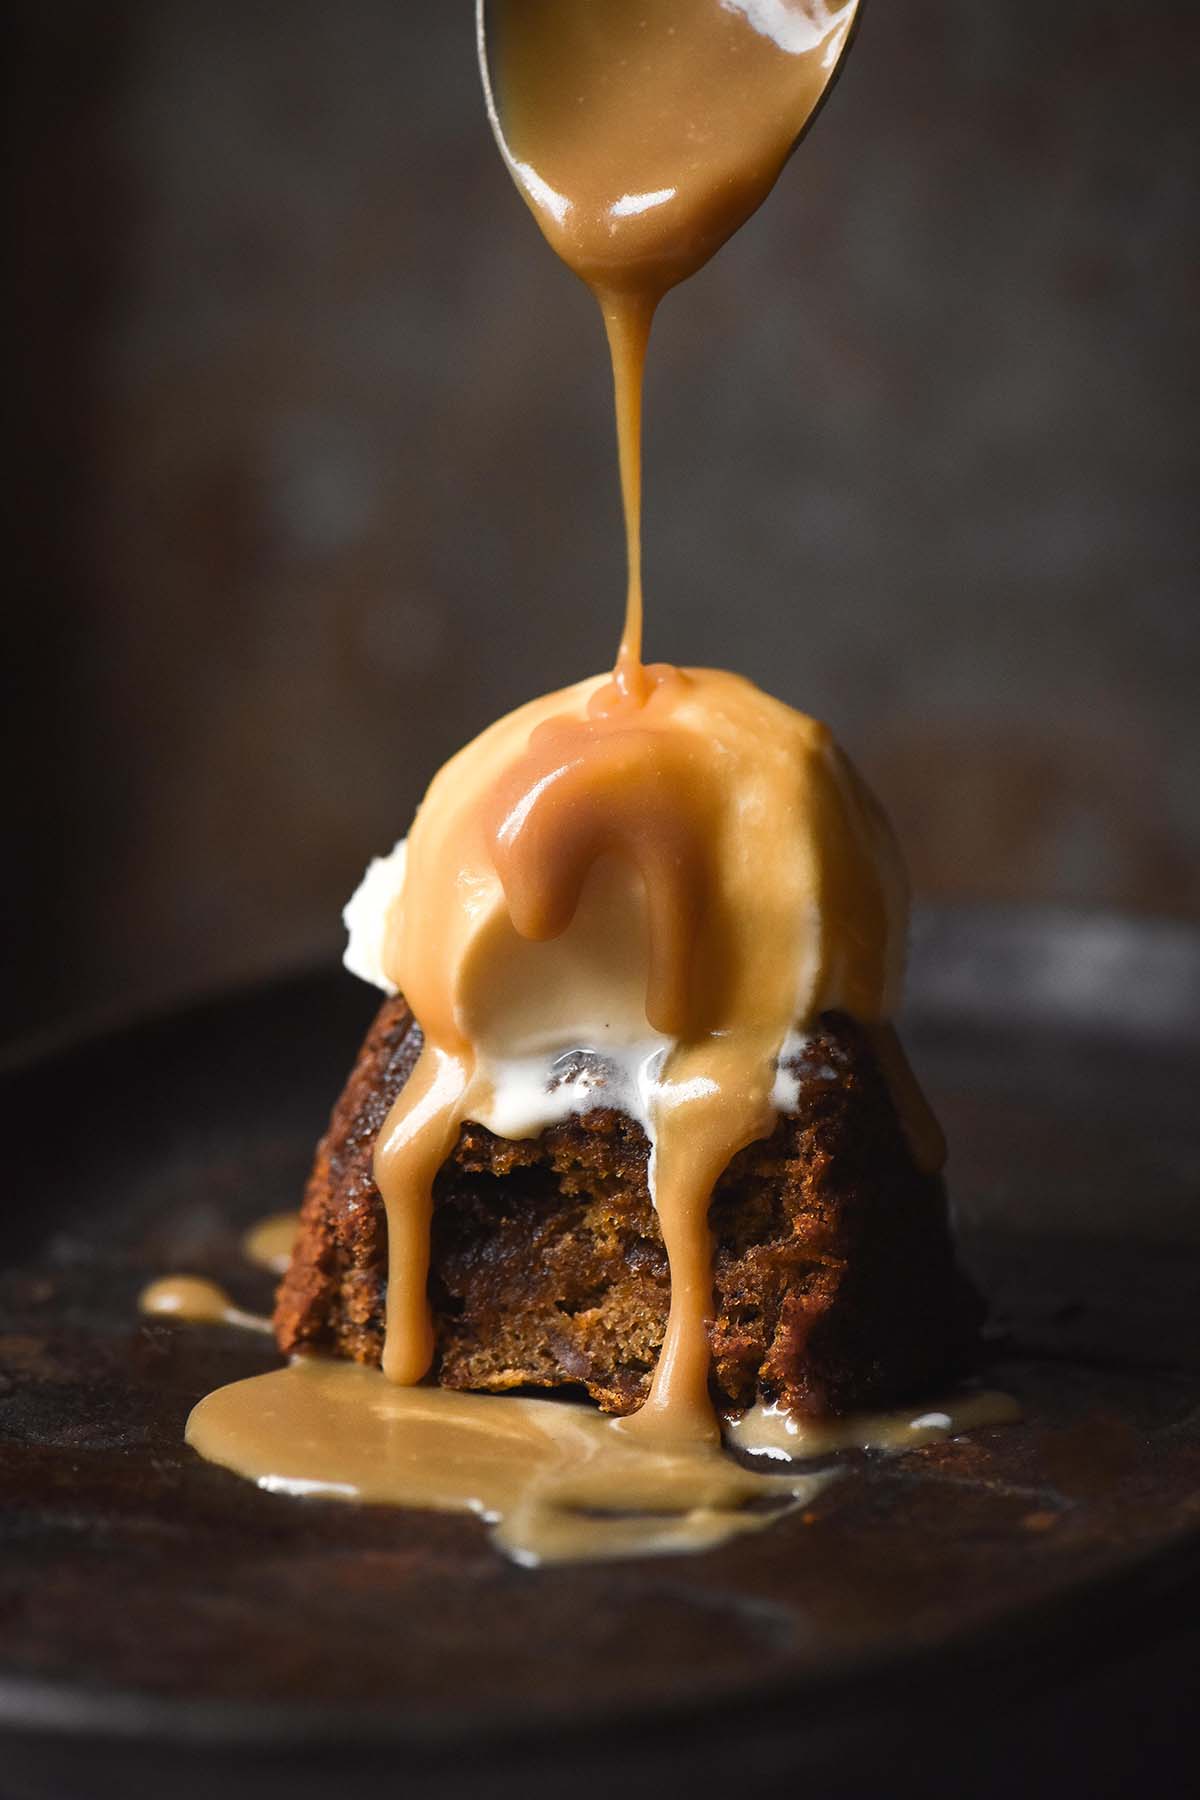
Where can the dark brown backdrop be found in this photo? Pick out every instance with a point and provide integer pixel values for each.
(315, 472)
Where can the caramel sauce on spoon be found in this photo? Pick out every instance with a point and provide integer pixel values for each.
(641, 134)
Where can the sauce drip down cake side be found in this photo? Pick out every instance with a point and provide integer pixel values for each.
(834, 1278)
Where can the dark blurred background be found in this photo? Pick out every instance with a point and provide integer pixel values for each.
(315, 475)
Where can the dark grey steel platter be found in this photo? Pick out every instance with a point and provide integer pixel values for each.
(1020, 1607)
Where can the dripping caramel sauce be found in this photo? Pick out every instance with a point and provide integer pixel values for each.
(634, 201)
(753, 852)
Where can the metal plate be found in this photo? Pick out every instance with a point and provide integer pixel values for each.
(1018, 1605)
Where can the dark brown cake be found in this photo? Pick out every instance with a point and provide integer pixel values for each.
(835, 1288)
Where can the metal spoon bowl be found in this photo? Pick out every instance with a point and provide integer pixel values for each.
(643, 133)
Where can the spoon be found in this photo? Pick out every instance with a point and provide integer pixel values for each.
(643, 133)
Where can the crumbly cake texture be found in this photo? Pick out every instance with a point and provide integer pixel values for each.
(835, 1280)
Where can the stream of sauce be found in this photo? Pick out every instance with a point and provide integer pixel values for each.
(662, 861)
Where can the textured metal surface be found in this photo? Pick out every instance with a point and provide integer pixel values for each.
(1012, 1597)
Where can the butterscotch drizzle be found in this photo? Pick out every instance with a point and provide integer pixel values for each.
(641, 139)
(702, 864)
(620, 782)
(627, 322)
(687, 116)
(661, 853)
(640, 146)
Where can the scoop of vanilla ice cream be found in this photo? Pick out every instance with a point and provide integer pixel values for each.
(366, 915)
(807, 870)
